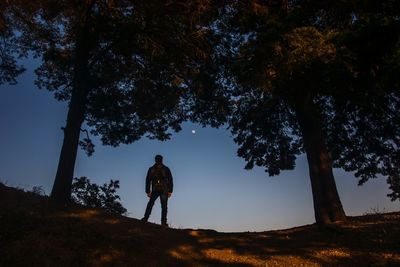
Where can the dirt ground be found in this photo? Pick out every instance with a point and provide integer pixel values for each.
(33, 232)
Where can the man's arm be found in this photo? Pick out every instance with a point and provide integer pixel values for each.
(148, 179)
(170, 181)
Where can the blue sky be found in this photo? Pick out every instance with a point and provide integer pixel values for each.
(212, 190)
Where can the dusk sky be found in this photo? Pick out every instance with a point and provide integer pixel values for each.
(211, 188)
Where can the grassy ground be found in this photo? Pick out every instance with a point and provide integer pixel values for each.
(33, 232)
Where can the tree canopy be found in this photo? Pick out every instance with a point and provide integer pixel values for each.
(10, 51)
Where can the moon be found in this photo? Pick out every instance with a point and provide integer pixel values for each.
(193, 131)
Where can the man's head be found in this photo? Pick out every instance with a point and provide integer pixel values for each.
(158, 159)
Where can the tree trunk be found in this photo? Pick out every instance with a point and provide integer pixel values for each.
(61, 192)
(327, 205)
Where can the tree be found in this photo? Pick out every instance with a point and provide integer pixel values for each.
(94, 196)
(9, 49)
(123, 66)
(303, 80)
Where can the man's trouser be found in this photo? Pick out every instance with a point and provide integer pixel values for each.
(164, 202)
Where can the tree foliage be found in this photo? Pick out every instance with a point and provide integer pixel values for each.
(141, 56)
(10, 50)
(94, 196)
(344, 62)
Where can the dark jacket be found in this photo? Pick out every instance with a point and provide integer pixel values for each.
(166, 178)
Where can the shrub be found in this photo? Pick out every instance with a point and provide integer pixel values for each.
(38, 190)
(94, 196)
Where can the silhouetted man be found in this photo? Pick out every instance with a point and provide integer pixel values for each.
(159, 177)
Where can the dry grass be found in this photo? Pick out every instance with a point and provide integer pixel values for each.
(33, 232)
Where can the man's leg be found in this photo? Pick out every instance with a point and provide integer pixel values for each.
(150, 205)
(164, 208)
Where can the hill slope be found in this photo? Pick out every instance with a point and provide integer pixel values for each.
(33, 232)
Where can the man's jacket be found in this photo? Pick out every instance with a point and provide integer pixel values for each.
(159, 173)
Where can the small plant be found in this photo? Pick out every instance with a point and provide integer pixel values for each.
(94, 196)
(38, 190)
(375, 211)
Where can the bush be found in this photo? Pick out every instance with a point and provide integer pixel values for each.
(94, 196)
(38, 190)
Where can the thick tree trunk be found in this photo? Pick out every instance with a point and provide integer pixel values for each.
(61, 192)
(327, 205)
